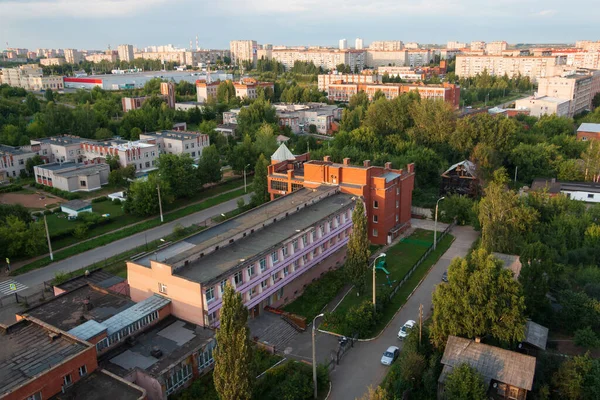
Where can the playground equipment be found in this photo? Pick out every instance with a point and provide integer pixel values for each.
(381, 265)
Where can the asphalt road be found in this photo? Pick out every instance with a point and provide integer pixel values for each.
(82, 260)
(361, 367)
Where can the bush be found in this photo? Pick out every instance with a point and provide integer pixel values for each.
(47, 212)
(457, 207)
(241, 203)
(179, 230)
(586, 337)
(58, 192)
(361, 319)
(80, 231)
(15, 187)
(99, 199)
(116, 202)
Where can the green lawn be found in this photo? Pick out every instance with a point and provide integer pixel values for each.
(400, 259)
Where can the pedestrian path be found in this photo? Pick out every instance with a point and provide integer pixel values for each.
(10, 286)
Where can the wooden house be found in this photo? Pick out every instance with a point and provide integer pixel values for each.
(506, 374)
(461, 178)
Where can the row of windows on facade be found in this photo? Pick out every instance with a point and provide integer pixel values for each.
(128, 330)
(183, 371)
(238, 277)
(67, 381)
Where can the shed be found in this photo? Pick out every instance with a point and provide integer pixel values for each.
(74, 207)
(461, 178)
(536, 335)
(506, 374)
(511, 261)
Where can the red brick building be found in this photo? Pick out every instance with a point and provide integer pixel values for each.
(387, 192)
(587, 131)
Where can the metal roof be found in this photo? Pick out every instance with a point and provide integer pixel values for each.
(536, 335)
(390, 176)
(135, 313)
(588, 127)
(76, 205)
(283, 154)
(492, 362)
(88, 330)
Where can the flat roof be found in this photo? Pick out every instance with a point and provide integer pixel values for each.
(227, 126)
(62, 140)
(218, 263)
(588, 127)
(175, 339)
(558, 186)
(211, 237)
(28, 349)
(4, 149)
(69, 310)
(546, 98)
(180, 135)
(98, 278)
(102, 385)
(77, 204)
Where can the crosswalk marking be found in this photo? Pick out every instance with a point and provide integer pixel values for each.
(6, 287)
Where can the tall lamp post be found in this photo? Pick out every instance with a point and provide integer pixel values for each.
(314, 353)
(374, 285)
(435, 224)
(159, 203)
(245, 191)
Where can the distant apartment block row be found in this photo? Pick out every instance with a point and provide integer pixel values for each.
(30, 77)
(299, 117)
(73, 156)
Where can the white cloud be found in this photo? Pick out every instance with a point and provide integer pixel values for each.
(547, 13)
(28, 9)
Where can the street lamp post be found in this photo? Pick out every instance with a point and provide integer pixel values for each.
(314, 354)
(48, 237)
(435, 224)
(159, 203)
(245, 191)
(374, 285)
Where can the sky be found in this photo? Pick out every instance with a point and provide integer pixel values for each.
(95, 24)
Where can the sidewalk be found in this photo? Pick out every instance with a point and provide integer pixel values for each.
(99, 254)
(17, 265)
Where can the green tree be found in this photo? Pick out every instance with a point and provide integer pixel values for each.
(209, 166)
(242, 154)
(135, 133)
(357, 256)
(464, 383)
(481, 298)
(537, 270)
(32, 103)
(503, 217)
(113, 161)
(232, 374)
(591, 161)
(596, 100)
(225, 92)
(142, 196)
(266, 141)
(375, 394)
(103, 133)
(260, 183)
(32, 162)
(571, 377)
(49, 95)
(179, 172)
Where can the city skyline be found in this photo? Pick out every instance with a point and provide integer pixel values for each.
(96, 24)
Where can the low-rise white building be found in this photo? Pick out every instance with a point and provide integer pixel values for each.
(583, 191)
(13, 161)
(172, 142)
(544, 105)
(72, 177)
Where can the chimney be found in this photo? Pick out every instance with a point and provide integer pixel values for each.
(388, 165)
(367, 163)
(410, 167)
(327, 158)
(346, 161)
(477, 339)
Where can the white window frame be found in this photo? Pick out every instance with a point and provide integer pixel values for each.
(210, 294)
(70, 380)
(375, 233)
(263, 264)
(375, 219)
(239, 275)
(251, 271)
(83, 370)
(162, 288)
(275, 257)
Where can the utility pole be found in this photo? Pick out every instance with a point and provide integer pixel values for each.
(159, 203)
(516, 169)
(420, 323)
(314, 355)
(48, 237)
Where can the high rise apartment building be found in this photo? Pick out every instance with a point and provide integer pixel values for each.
(125, 52)
(243, 50)
(387, 45)
(30, 77)
(99, 57)
(73, 56)
(419, 58)
(578, 88)
(477, 45)
(532, 67)
(588, 45)
(343, 44)
(496, 48)
(380, 58)
(453, 45)
(584, 59)
(358, 44)
(324, 58)
(324, 80)
(412, 45)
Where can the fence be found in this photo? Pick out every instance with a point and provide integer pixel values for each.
(421, 212)
(416, 265)
(335, 356)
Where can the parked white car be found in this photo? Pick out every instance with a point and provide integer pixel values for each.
(405, 328)
(390, 355)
